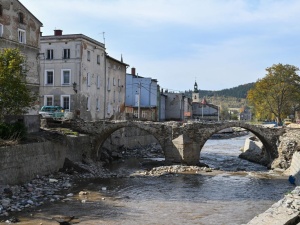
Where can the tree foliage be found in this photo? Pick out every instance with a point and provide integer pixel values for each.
(277, 93)
(15, 97)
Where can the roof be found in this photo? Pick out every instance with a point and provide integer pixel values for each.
(30, 12)
(71, 36)
(116, 60)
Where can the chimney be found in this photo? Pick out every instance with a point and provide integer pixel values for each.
(133, 71)
(58, 32)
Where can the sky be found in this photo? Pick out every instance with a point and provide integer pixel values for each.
(218, 43)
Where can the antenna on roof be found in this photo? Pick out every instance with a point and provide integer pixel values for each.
(103, 33)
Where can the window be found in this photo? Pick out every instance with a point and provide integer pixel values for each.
(119, 83)
(114, 81)
(65, 102)
(88, 55)
(49, 54)
(22, 36)
(88, 104)
(98, 81)
(48, 100)
(108, 84)
(98, 59)
(144, 114)
(88, 79)
(1, 30)
(114, 96)
(21, 17)
(65, 77)
(49, 77)
(135, 113)
(98, 104)
(66, 53)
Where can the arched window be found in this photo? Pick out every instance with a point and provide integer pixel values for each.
(21, 17)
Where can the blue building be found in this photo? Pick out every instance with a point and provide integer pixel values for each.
(142, 97)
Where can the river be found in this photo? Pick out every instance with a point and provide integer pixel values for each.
(234, 194)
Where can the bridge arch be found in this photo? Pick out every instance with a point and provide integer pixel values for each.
(268, 136)
(103, 134)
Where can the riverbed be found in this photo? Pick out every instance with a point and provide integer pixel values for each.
(233, 193)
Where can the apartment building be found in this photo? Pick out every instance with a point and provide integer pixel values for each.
(78, 75)
(19, 28)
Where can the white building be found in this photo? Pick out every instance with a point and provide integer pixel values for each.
(76, 73)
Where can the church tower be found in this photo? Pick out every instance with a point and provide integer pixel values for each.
(195, 94)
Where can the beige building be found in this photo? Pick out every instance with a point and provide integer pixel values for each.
(116, 87)
(19, 28)
(77, 74)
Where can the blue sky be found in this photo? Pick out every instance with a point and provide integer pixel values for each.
(220, 43)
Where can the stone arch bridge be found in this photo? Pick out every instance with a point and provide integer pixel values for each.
(181, 142)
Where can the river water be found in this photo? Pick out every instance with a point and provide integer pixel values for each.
(234, 194)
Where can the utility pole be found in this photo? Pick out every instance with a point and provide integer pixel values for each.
(139, 100)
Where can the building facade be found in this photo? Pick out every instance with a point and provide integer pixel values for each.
(19, 28)
(116, 88)
(177, 106)
(75, 74)
(141, 97)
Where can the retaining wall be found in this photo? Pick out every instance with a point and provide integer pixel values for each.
(21, 163)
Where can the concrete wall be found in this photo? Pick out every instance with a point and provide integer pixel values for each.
(78, 147)
(294, 169)
(31, 122)
(21, 163)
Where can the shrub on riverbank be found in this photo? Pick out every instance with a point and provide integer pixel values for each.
(12, 133)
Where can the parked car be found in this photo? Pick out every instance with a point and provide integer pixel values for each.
(48, 111)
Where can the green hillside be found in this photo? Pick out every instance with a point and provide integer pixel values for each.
(233, 97)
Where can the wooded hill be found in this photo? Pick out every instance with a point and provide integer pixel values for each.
(232, 98)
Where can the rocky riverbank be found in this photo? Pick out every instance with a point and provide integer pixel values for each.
(284, 212)
(287, 210)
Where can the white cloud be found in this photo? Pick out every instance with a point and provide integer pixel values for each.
(223, 43)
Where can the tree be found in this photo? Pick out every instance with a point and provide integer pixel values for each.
(15, 97)
(277, 93)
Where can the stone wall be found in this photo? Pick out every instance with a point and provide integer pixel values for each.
(288, 145)
(78, 147)
(21, 163)
(129, 137)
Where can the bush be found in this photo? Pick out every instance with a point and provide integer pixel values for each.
(12, 131)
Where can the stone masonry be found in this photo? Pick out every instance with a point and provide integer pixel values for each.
(181, 142)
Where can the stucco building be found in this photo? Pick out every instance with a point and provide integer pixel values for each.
(177, 106)
(19, 28)
(77, 74)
